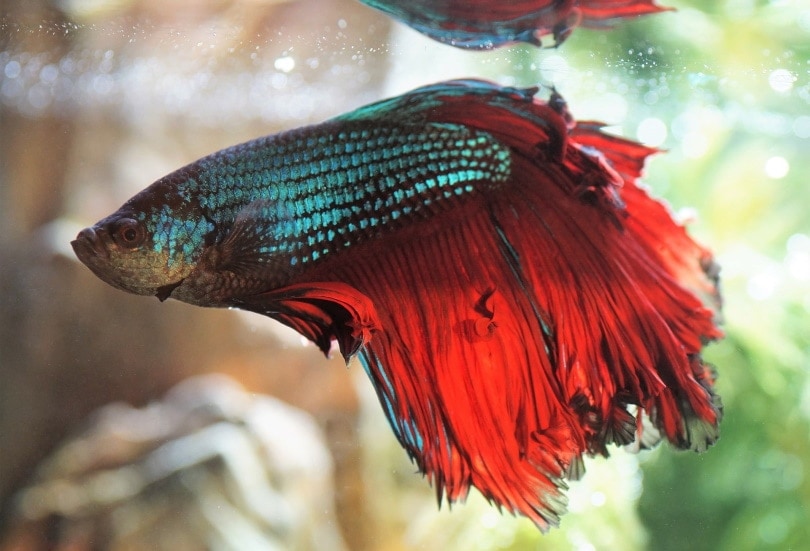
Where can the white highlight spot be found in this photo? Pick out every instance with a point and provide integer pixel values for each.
(652, 132)
(694, 145)
(490, 519)
(555, 69)
(762, 285)
(777, 167)
(804, 21)
(801, 127)
(13, 69)
(781, 80)
(285, 64)
(613, 107)
(797, 259)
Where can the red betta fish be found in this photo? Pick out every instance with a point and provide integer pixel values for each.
(515, 297)
(486, 24)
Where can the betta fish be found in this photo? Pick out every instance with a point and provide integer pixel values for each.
(516, 298)
(487, 24)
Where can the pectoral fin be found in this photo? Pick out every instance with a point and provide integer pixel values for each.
(322, 312)
(252, 243)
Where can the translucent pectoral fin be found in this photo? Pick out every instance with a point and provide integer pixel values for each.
(322, 312)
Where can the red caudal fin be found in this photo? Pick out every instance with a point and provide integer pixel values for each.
(484, 24)
(692, 265)
(543, 320)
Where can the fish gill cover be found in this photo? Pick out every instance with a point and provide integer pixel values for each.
(517, 299)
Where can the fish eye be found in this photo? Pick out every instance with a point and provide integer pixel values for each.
(128, 233)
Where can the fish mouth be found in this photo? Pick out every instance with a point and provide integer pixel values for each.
(89, 246)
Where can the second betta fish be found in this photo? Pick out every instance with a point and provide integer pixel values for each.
(486, 24)
(515, 297)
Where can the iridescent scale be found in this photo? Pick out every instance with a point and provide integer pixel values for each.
(324, 188)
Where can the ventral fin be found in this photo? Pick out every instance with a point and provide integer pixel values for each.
(322, 312)
(252, 242)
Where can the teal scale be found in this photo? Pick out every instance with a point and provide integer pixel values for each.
(313, 191)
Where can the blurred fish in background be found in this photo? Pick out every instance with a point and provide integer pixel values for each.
(485, 24)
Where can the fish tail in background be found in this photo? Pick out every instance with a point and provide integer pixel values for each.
(485, 24)
(606, 13)
(552, 315)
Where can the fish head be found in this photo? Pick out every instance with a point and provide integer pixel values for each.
(146, 247)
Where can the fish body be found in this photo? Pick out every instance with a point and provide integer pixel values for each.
(515, 297)
(486, 24)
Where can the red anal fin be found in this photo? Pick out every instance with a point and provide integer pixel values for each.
(322, 312)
